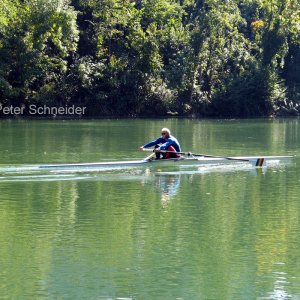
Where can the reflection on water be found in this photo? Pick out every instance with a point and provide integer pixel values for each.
(168, 186)
(225, 235)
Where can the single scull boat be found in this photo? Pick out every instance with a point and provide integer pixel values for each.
(189, 159)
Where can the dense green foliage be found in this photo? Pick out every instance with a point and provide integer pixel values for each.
(145, 57)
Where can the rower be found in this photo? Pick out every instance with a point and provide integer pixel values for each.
(167, 143)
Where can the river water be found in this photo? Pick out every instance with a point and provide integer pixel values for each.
(213, 232)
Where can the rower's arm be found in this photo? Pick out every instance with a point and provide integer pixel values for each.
(153, 143)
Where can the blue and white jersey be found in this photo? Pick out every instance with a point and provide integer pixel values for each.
(165, 143)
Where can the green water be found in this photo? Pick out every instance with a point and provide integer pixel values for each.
(202, 233)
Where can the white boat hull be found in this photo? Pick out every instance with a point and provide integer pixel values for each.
(183, 161)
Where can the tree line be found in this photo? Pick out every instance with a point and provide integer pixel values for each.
(214, 58)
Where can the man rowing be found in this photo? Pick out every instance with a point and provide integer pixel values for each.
(167, 143)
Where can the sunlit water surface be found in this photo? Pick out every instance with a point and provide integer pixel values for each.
(207, 232)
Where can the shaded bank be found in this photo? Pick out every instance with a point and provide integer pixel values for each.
(147, 58)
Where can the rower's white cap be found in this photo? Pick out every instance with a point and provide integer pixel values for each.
(166, 130)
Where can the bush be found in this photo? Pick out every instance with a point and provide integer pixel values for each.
(258, 93)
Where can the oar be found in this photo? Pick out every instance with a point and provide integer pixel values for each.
(257, 162)
(148, 158)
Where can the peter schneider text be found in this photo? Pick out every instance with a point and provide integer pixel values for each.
(44, 110)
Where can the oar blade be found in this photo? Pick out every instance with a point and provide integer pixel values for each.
(258, 162)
